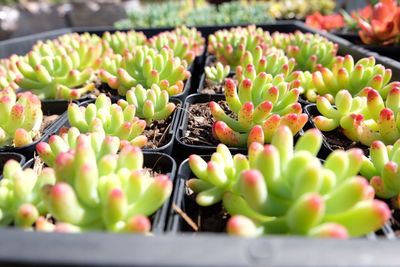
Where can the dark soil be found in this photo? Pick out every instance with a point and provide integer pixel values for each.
(157, 133)
(47, 121)
(199, 129)
(208, 219)
(303, 101)
(210, 88)
(337, 140)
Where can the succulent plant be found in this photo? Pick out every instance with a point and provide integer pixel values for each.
(83, 50)
(67, 140)
(383, 27)
(381, 121)
(230, 46)
(327, 22)
(274, 62)
(261, 104)
(354, 77)
(121, 42)
(20, 200)
(112, 193)
(196, 40)
(110, 196)
(108, 119)
(303, 80)
(9, 72)
(279, 189)
(381, 168)
(21, 118)
(187, 43)
(311, 50)
(217, 73)
(54, 77)
(145, 66)
(346, 111)
(151, 104)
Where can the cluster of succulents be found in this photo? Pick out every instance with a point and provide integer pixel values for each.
(309, 50)
(89, 186)
(261, 104)
(21, 118)
(108, 119)
(217, 73)
(94, 177)
(279, 189)
(273, 62)
(71, 66)
(174, 13)
(383, 26)
(230, 45)
(151, 104)
(381, 169)
(185, 42)
(145, 66)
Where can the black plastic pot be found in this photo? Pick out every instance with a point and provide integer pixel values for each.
(167, 148)
(327, 145)
(160, 163)
(6, 156)
(181, 200)
(165, 164)
(183, 150)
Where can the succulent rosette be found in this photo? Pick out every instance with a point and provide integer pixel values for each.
(54, 77)
(381, 121)
(111, 192)
(20, 194)
(261, 104)
(272, 62)
(217, 73)
(230, 45)
(121, 42)
(21, 118)
(284, 189)
(354, 77)
(344, 114)
(145, 66)
(383, 26)
(151, 104)
(108, 119)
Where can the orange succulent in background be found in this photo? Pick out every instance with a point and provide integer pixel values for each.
(328, 22)
(383, 27)
(364, 13)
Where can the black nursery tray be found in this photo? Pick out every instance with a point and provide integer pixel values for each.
(101, 249)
